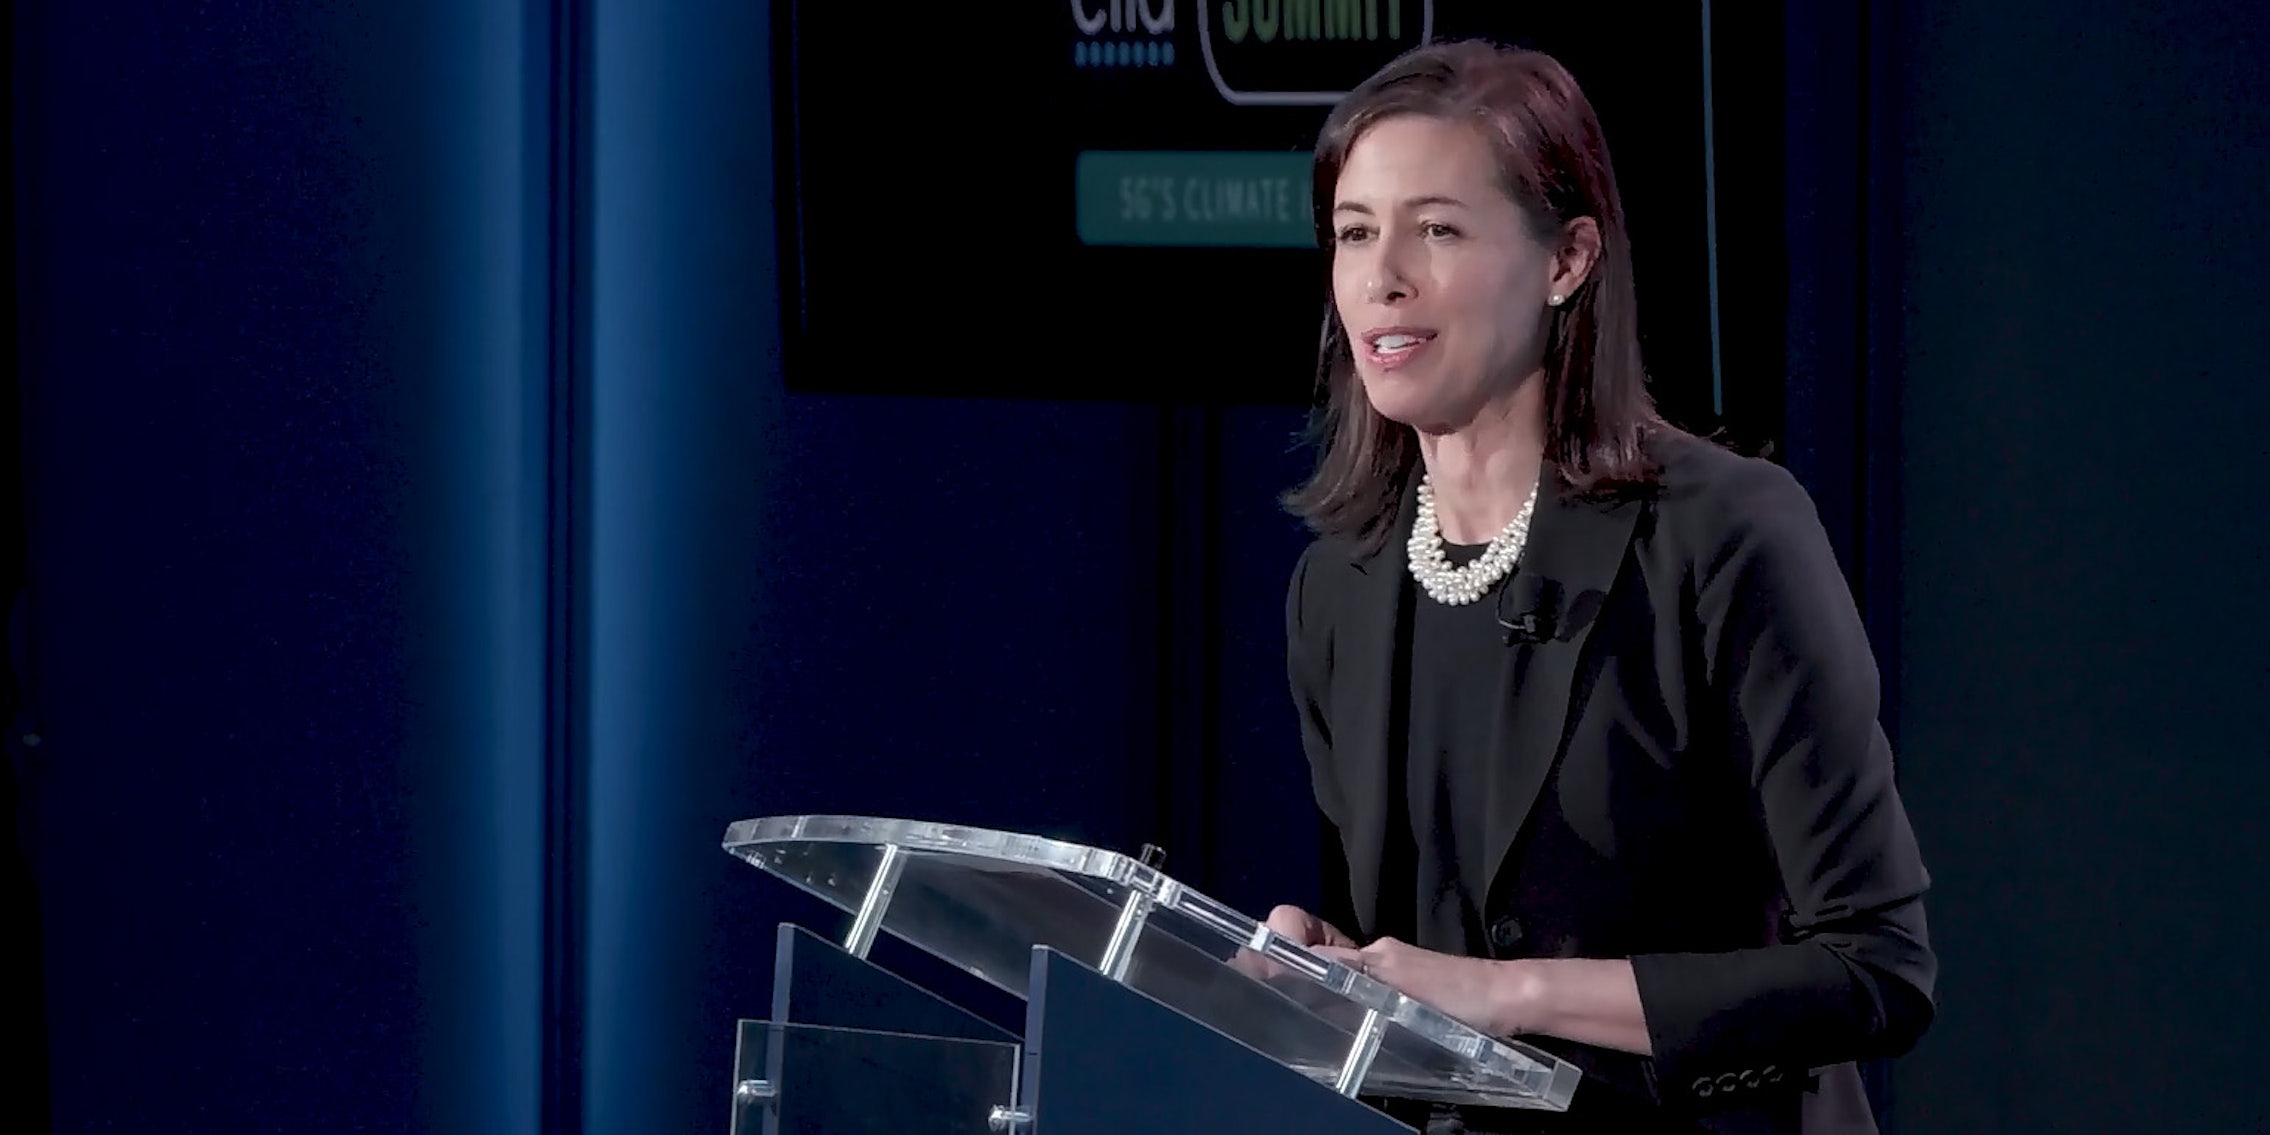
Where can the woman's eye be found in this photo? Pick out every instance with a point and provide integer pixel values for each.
(1438, 231)
(1353, 234)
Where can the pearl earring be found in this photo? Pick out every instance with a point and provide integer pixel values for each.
(1556, 300)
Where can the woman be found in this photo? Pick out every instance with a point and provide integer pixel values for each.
(1586, 701)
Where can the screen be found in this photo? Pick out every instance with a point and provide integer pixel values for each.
(1110, 198)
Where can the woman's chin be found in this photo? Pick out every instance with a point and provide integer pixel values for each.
(1404, 402)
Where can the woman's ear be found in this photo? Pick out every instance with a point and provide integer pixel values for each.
(1573, 261)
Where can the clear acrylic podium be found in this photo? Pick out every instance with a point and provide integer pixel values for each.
(1149, 1007)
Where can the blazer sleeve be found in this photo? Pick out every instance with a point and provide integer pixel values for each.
(1791, 670)
(1308, 665)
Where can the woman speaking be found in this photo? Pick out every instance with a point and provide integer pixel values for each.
(1586, 701)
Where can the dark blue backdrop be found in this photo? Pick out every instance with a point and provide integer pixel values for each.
(2084, 671)
(426, 562)
(427, 565)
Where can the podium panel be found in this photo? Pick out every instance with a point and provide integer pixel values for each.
(984, 900)
(791, 1079)
(815, 982)
(1103, 1060)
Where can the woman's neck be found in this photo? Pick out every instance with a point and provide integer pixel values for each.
(1483, 472)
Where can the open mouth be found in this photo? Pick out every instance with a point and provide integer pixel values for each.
(1393, 348)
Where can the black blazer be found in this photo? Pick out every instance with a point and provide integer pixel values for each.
(1719, 804)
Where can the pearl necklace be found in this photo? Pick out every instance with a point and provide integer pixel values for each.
(1458, 586)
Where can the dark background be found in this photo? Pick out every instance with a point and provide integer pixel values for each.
(424, 557)
(921, 184)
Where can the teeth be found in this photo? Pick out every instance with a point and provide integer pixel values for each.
(1395, 342)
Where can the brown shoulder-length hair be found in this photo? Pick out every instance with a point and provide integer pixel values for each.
(1553, 162)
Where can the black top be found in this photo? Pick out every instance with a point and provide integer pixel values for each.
(1453, 666)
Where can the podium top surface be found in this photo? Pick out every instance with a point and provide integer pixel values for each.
(981, 900)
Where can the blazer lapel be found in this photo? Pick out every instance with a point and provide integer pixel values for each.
(1575, 549)
(1366, 656)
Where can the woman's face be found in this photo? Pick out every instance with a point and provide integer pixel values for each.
(1436, 275)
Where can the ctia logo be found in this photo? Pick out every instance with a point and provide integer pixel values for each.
(1304, 52)
(1123, 33)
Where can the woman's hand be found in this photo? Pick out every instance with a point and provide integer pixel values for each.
(1306, 930)
(1591, 1001)
(1484, 993)
(1296, 926)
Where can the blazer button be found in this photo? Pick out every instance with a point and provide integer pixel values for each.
(1505, 935)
